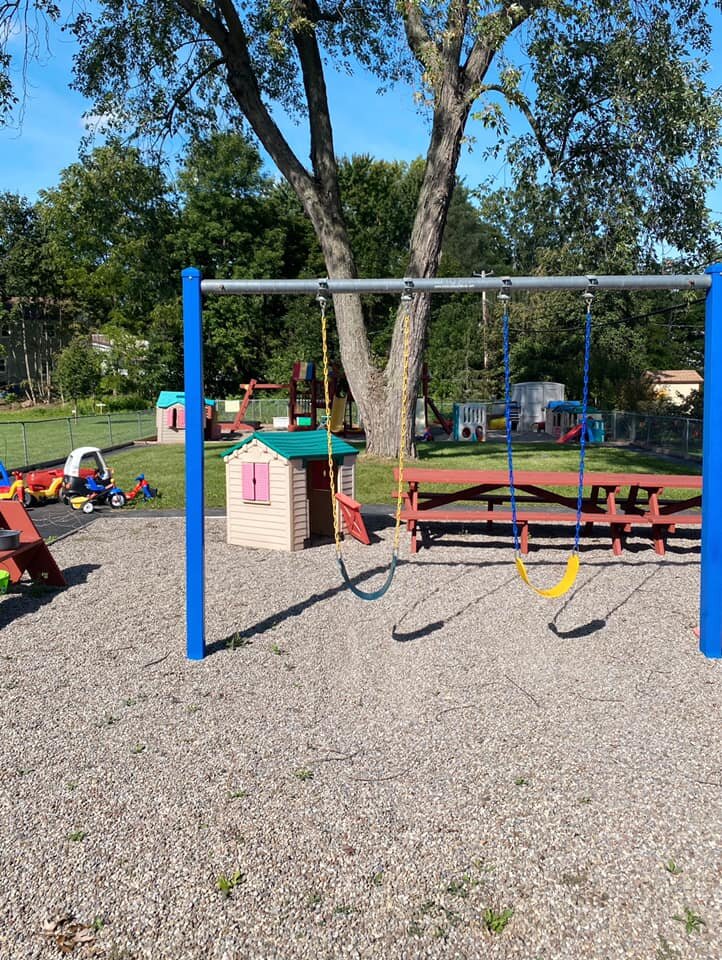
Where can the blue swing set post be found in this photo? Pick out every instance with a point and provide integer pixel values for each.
(195, 503)
(710, 600)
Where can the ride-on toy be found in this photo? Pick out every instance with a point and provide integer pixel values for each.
(100, 489)
(83, 462)
(10, 489)
(42, 485)
(142, 488)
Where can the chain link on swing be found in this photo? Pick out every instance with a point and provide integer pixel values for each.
(370, 594)
(572, 568)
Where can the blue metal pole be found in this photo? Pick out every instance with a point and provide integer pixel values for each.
(710, 620)
(195, 495)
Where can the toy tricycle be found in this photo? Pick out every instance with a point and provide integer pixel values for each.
(100, 489)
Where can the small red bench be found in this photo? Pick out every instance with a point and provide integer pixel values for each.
(32, 555)
(603, 502)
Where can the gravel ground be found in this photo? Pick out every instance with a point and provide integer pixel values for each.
(364, 780)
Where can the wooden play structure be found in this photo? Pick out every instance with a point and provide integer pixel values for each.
(31, 555)
(305, 400)
(278, 489)
(170, 418)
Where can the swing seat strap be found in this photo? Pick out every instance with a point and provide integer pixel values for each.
(367, 594)
(559, 589)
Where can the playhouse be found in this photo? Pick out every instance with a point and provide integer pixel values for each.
(170, 418)
(563, 420)
(278, 488)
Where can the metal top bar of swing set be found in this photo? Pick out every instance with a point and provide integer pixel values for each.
(231, 288)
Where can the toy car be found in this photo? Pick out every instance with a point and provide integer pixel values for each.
(42, 485)
(83, 462)
(10, 489)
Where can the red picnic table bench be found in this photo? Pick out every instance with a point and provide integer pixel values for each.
(32, 554)
(604, 501)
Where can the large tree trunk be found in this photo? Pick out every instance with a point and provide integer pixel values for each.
(379, 393)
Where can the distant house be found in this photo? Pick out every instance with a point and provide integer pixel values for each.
(674, 385)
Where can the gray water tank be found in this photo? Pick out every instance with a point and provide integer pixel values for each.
(532, 397)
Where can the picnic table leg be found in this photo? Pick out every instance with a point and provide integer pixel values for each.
(524, 537)
(490, 508)
(593, 502)
(658, 534)
(617, 529)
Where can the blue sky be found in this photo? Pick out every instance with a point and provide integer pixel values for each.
(388, 127)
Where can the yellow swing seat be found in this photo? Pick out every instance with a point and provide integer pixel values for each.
(559, 589)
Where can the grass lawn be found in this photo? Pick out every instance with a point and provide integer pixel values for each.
(164, 466)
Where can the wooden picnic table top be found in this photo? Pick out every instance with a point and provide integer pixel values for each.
(557, 478)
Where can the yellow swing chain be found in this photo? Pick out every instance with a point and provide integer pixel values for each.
(403, 426)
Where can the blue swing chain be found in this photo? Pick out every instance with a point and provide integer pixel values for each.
(507, 416)
(585, 402)
(507, 411)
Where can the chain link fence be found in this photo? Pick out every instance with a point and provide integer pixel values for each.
(27, 442)
(678, 436)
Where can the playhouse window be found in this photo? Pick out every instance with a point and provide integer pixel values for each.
(255, 482)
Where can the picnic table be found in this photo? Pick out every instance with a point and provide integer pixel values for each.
(620, 501)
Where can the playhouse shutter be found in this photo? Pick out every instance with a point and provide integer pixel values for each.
(262, 481)
(255, 481)
(170, 417)
(249, 490)
(181, 419)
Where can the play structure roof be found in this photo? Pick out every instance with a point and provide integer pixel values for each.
(169, 398)
(298, 445)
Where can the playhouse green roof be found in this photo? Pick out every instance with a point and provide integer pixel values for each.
(169, 398)
(298, 444)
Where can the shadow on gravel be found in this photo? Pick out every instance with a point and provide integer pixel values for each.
(587, 629)
(243, 637)
(26, 597)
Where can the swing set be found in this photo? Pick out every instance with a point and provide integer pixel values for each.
(194, 288)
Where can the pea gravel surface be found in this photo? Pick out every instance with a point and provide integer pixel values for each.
(458, 770)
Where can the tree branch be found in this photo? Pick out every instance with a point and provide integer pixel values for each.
(323, 159)
(243, 84)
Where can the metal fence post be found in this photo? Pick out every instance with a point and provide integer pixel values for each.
(70, 431)
(110, 430)
(25, 444)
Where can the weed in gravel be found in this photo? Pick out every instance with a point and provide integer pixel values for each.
(691, 920)
(343, 910)
(494, 921)
(521, 782)
(279, 651)
(416, 929)
(226, 884)
(237, 794)
(462, 886)
(377, 878)
(138, 748)
(313, 900)
(238, 639)
(71, 785)
(108, 721)
(671, 867)
(193, 708)
(77, 835)
(585, 799)
(303, 774)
